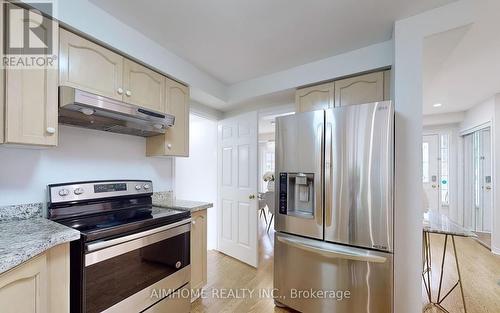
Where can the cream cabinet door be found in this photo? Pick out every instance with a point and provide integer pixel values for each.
(90, 67)
(175, 142)
(143, 87)
(199, 249)
(31, 105)
(24, 289)
(313, 98)
(360, 89)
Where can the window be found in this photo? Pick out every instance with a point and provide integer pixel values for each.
(425, 160)
(444, 169)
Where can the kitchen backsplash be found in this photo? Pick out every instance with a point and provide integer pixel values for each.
(82, 155)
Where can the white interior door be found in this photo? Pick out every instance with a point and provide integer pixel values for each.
(237, 210)
(430, 175)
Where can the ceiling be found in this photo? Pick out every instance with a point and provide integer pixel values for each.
(236, 40)
(461, 67)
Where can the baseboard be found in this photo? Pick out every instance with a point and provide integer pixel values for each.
(495, 250)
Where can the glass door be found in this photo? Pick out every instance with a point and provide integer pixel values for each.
(478, 181)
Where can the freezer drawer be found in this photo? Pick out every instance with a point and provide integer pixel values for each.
(359, 143)
(351, 279)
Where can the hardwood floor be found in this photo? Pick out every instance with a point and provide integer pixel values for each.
(484, 239)
(225, 273)
(480, 271)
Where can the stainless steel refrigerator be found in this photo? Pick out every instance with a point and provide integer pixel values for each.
(334, 224)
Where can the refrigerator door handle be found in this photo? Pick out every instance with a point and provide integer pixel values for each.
(331, 253)
(318, 203)
(328, 172)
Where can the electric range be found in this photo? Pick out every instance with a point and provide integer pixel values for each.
(128, 250)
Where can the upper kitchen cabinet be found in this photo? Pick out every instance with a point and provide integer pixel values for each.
(143, 87)
(90, 67)
(359, 89)
(315, 98)
(30, 97)
(175, 142)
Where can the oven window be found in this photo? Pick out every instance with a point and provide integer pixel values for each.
(113, 280)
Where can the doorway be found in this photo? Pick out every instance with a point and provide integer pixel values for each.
(436, 171)
(478, 183)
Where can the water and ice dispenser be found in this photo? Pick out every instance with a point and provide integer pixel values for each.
(296, 194)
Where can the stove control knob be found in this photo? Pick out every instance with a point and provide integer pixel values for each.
(63, 192)
(147, 186)
(78, 191)
(137, 187)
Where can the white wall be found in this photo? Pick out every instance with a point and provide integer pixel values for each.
(443, 119)
(478, 115)
(495, 131)
(82, 154)
(409, 35)
(196, 176)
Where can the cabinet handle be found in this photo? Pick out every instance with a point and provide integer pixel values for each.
(128, 93)
(51, 130)
(120, 91)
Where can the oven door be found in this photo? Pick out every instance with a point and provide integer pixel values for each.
(132, 273)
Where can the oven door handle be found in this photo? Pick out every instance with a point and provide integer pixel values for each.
(100, 251)
(108, 243)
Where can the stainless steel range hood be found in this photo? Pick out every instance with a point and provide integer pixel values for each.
(85, 109)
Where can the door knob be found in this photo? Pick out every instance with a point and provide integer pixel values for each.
(251, 197)
(433, 186)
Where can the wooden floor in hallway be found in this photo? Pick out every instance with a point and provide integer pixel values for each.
(480, 273)
(480, 270)
(225, 273)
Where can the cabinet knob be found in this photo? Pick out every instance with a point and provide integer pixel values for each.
(128, 93)
(51, 130)
(169, 146)
(120, 91)
(193, 222)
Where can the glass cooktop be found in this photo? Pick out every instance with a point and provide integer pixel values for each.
(122, 222)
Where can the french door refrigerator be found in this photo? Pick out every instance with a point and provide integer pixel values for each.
(334, 224)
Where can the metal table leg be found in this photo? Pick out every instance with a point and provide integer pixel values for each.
(427, 268)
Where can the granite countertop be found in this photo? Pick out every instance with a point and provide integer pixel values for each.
(22, 239)
(438, 223)
(164, 200)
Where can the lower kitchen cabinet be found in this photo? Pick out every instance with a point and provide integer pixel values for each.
(175, 142)
(40, 285)
(198, 250)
